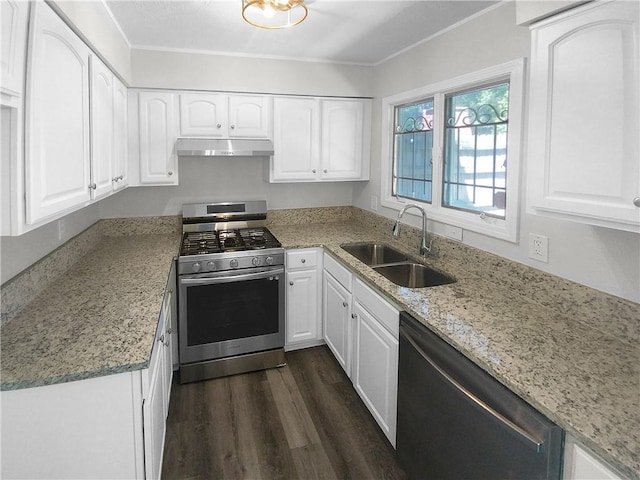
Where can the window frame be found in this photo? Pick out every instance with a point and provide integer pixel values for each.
(505, 229)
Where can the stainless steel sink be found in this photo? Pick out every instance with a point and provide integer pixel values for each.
(413, 275)
(374, 253)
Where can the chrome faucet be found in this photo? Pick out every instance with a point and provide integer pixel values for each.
(424, 248)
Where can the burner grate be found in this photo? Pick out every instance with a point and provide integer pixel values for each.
(202, 243)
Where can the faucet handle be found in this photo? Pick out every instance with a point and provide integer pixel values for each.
(396, 228)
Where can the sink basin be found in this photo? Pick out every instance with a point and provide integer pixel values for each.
(374, 253)
(413, 275)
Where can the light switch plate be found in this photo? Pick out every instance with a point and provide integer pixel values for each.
(374, 203)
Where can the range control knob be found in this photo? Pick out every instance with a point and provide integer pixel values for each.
(211, 265)
(233, 263)
(196, 267)
(255, 261)
(268, 260)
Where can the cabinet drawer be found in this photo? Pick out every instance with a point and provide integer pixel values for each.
(340, 273)
(377, 306)
(304, 258)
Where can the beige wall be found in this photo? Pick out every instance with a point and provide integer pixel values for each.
(160, 69)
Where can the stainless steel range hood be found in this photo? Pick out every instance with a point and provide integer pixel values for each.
(224, 147)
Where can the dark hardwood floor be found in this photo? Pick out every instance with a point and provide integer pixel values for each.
(301, 421)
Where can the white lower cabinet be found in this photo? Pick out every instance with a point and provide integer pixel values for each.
(581, 465)
(304, 298)
(336, 311)
(375, 359)
(361, 330)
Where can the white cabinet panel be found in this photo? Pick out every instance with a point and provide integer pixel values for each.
(102, 129)
(57, 118)
(376, 370)
(158, 134)
(225, 116)
(584, 150)
(580, 465)
(120, 137)
(342, 139)
(337, 321)
(304, 298)
(203, 114)
(296, 138)
(250, 116)
(320, 139)
(13, 45)
(85, 429)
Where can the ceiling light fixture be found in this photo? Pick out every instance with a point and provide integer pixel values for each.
(273, 14)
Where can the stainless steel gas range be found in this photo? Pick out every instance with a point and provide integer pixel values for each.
(231, 291)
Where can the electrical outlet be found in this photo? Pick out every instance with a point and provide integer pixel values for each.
(374, 203)
(453, 232)
(539, 247)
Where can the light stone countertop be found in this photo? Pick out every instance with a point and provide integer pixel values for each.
(98, 318)
(586, 380)
(582, 378)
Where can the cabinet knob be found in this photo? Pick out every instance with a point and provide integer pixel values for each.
(345, 304)
(233, 127)
(169, 330)
(291, 283)
(169, 173)
(219, 125)
(93, 186)
(636, 201)
(354, 316)
(313, 171)
(114, 179)
(303, 260)
(325, 170)
(121, 177)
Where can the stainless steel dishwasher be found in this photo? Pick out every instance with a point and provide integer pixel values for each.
(457, 422)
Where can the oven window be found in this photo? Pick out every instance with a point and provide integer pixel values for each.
(227, 311)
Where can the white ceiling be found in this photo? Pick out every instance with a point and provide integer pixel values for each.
(361, 32)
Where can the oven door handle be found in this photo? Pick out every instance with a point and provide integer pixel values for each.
(205, 280)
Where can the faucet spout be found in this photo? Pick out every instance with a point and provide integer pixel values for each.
(424, 248)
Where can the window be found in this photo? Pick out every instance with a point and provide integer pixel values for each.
(448, 148)
(475, 145)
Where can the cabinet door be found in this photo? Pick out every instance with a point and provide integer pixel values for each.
(337, 321)
(167, 361)
(154, 415)
(375, 368)
(204, 114)
(250, 116)
(13, 45)
(303, 322)
(296, 139)
(342, 139)
(102, 129)
(583, 125)
(158, 134)
(57, 118)
(120, 147)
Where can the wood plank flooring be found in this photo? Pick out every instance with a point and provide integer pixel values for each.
(301, 421)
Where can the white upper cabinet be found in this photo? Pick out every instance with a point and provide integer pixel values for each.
(14, 16)
(343, 140)
(158, 133)
(225, 116)
(319, 139)
(583, 159)
(120, 147)
(57, 118)
(102, 129)
(296, 138)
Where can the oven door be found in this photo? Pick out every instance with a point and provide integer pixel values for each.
(225, 314)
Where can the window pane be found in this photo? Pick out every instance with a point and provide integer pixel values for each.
(475, 153)
(413, 140)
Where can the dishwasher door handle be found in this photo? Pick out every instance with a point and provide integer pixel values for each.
(537, 445)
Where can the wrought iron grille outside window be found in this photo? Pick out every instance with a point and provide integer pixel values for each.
(413, 145)
(475, 150)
